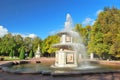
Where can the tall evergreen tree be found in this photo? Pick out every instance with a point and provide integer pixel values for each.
(11, 54)
(22, 54)
(31, 54)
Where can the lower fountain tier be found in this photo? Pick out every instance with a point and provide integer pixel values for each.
(66, 58)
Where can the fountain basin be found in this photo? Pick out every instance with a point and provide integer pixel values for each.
(45, 69)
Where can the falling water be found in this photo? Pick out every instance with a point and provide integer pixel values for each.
(78, 46)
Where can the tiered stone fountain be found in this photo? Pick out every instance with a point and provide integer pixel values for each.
(67, 55)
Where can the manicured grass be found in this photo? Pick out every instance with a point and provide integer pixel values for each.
(6, 58)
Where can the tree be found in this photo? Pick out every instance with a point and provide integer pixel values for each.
(27, 42)
(19, 43)
(7, 44)
(11, 54)
(31, 54)
(16, 42)
(35, 42)
(48, 43)
(22, 54)
(105, 32)
(84, 32)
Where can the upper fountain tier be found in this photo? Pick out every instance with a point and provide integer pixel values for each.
(68, 39)
(68, 28)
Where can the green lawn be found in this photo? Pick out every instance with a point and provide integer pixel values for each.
(7, 58)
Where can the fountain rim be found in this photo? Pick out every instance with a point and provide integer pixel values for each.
(3, 68)
(61, 73)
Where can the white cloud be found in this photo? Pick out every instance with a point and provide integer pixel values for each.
(3, 31)
(98, 12)
(25, 35)
(32, 35)
(88, 21)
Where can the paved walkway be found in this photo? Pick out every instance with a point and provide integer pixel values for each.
(11, 76)
(3, 62)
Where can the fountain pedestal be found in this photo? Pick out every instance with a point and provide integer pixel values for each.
(66, 58)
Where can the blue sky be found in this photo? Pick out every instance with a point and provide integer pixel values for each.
(45, 17)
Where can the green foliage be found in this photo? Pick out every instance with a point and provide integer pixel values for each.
(31, 54)
(35, 42)
(16, 42)
(11, 54)
(48, 43)
(84, 32)
(105, 34)
(22, 54)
